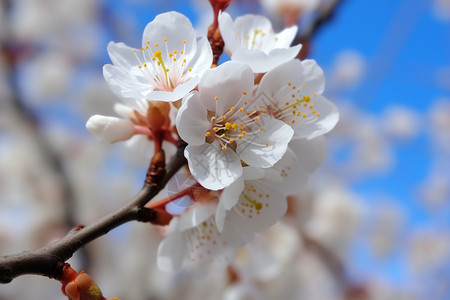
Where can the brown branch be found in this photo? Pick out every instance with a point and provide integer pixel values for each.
(333, 262)
(49, 261)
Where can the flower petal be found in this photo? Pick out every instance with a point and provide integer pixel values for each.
(174, 27)
(261, 62)
(179, 92)
(192, 122)
(228, 82)
(123, 84)
(260, 206)
(329, 117)
(263, 149)
(122, 56)
(310, 153)
(312, 77)
(227, 31)
(285, 37)
(202, 59)
(212, 167)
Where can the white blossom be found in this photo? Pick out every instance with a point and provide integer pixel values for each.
(221, 131)
(292, 93)
(251, 39)
(166, 67)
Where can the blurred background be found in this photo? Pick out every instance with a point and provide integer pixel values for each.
(375, 221)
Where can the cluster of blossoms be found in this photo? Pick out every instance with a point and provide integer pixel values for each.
(253, 126)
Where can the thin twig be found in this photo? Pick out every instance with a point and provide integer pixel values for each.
(49, 261)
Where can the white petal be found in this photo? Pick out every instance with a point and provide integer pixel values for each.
(212, 167)
(172, 251)
(261, 62)
(124, 111)
(110, 129)
(263, 149)
(196, 215)
(247, 24)
(124, 84)
(293, 176)
(228, 82)
(176, 28)
(329, 116)
(250, 218)
(179, 92)
(285, 37)
(312, 77)
(230, 194)
(251, 173)
(227, 31)
(279, 77)
(192, 122)
(202, 60)
(221, 213)
(122, 56)
(310, 153)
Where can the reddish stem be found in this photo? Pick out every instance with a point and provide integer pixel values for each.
(158, 137)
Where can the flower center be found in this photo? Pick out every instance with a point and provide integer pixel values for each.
(292, 105)
(164, 70)
(236, 124)
(254, 201)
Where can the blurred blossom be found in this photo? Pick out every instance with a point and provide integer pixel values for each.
(97, 98)
(289, 10)
(347, 71)
(277, 247)
(336, 216)
(367, 150)
(48, 76)
(379, 290)
(3, 23)
(34, 20)
(429, 251)
(401, 122)
(385, 230)
(439, 118)
(441, 9)
(435, 191)
(242, 292)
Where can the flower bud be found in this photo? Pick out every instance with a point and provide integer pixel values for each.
(110, 129)
(80, 286)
